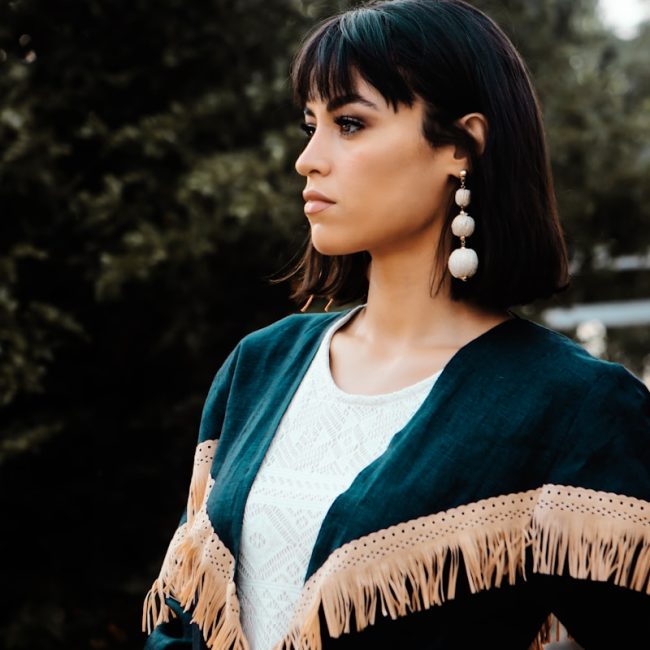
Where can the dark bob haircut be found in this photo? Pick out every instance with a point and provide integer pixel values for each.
(458, 61)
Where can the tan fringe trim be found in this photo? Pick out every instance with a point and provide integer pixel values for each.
(198, 569)
(586, 533)
(593, 534)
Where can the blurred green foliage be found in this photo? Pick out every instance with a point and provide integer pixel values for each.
(147, 192)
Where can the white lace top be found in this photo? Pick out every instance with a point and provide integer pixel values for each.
(325, 438)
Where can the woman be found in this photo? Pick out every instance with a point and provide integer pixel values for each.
(424, 469)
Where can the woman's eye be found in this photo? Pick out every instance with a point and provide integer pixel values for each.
(308, 129)
(347, 125)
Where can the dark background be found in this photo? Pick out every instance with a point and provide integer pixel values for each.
(147, 194)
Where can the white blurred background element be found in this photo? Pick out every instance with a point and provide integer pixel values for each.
(624, 16)
(592, 335)
(624, 313)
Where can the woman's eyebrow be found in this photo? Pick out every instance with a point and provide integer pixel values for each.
(343, 100)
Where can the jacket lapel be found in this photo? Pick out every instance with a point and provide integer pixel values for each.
(267, 376)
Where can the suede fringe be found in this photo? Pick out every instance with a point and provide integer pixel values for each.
(592, 534)
(198, 570)
(397, 570)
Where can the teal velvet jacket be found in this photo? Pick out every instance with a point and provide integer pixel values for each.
(519, 489)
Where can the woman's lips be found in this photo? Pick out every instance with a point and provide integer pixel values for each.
(311, 207)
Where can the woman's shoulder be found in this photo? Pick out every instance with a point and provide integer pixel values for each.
(554, 354)
(290, 337)
(606, 398)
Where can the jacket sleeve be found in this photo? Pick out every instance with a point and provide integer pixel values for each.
(601, 591)
(168, 624)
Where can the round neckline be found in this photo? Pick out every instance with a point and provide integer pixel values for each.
(400, 393)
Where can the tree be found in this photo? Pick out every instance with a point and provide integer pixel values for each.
(147, 191)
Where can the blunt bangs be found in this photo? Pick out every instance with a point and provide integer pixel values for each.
(355, 41)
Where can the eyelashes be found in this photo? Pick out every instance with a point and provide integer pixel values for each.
(347, 125)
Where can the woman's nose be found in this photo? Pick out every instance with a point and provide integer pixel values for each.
(314, 158)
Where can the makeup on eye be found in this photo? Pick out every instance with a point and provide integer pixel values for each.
(345, 122)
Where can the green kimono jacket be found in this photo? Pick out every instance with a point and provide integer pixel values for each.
(519, 489)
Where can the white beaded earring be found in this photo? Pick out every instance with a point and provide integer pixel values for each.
(463, 262)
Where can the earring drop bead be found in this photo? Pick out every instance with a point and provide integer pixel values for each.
(462, 197)
(463, 263)
(462, 225)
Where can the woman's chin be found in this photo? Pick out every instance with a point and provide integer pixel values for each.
(328, 247)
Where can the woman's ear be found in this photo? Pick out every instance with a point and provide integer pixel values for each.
(476, 125)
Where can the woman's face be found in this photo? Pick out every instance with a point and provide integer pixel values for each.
(388, 187)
